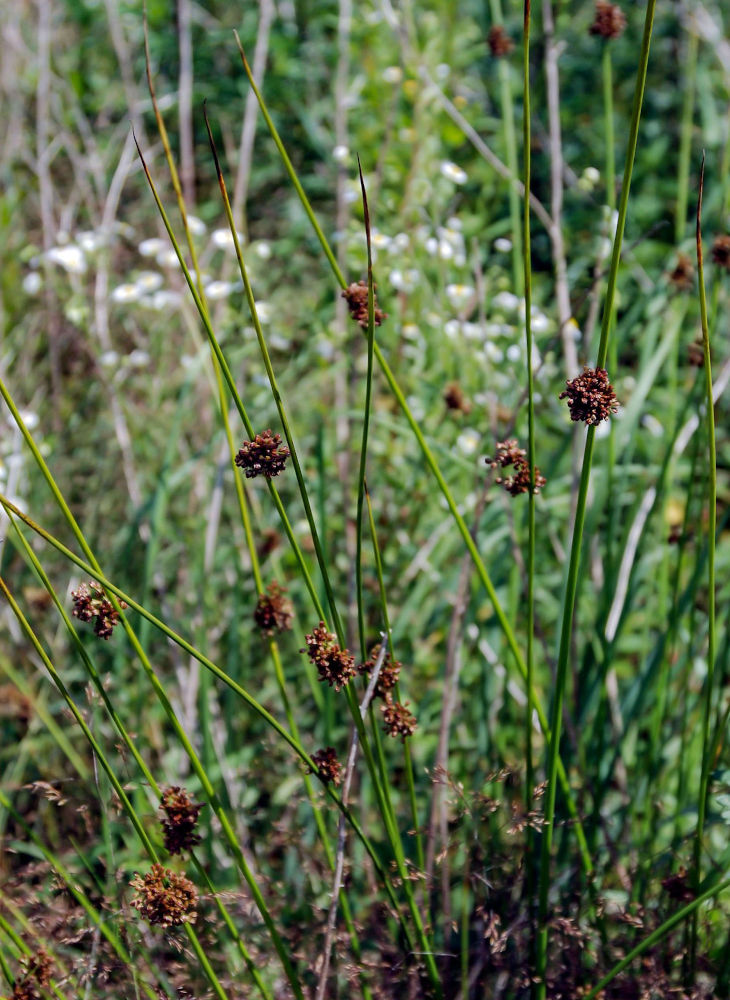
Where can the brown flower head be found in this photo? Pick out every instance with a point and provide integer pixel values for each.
(398, 721)
(274, 611)
(500, 44)
(262, 456)
(334, 665)
(37, 972)
(682, 275)
(357, 302)
(389, 672)
(508, 453)
(164, 898)
(328, 766)
(677, 886)
(696, 354)
(90, 601)
(610, 21)
(721, 251)
(455, 399)
(181, 818)
(590, 396)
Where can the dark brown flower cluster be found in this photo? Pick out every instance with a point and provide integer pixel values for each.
(357, 302)
(695, 354)
(389, 672)
(610, 21)
(508, 453)
(90, 601)
(274, 611)
(37, 971)
(455, 399)
(334, 665)
(328, 766)
(721, 251)
(500, 44)
(263, 456)
(590, 396)
(181, 818)
(164, 898)
(682, 275)
(397, 719)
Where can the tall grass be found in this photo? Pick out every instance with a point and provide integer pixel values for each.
(484, 764)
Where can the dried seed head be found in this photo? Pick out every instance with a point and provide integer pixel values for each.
(181, 818)
(682, 276)
(357, 302)
(500, 44)
(508, 453)
(721, 251)
(455, 398)
(262, 456)
(37, 972)
(334, 665)
(164, 898)
(610, 21)
(696, 354)
(274, 611)
(328, 766)
(397, 719)
(389, 671)
(590, 396)
(90, 601)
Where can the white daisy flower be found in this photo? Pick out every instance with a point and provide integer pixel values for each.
(217, 290)
(459, 295)
(125, 293)
(70, 258)
(167, 258)
(262, 249)
(151, 247)
(32, 283)
(138, 358)
(196, 226)
(340, 154)
(148, 281)
(109, 359)
(452, 172)
(468, 441)
(506, 300)
(392, 74)
(502, 244)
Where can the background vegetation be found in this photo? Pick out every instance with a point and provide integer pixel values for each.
(109, 366)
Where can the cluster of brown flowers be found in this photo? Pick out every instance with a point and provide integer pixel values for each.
(500, 44)
(510, 454)
(357, 302)
(328, 766)
(181, 818)
(334, 665)
(274, 611)
(90, 601)
(590, 396)
(455, 399)
(610, 21)
(721, 251)
(263, 456)
(682, 275)
(37, 971)
(397, 718)
(164, 898)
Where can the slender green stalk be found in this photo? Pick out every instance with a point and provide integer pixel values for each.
(435, 471)
(711, 541)
(566, 630)
(507, 109)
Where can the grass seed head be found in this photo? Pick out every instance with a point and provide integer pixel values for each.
(274, 611)
(590, 396)
(164, 898)
(356, 295)
(180, 819)
(264, 456)
(334, 665)
(500, 44)
(610, 20)
(328, 766)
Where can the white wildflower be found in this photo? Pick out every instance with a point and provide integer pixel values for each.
(167, 258)
(340, 154)
(109, 359)
(138, 358)
(151, 247)
(70, 258)
(125, 293)
(148, 281)
(502, 244)
(452, 172)
(506, 300)
(459, 295)
(32, 283)
(392, 74)
(468, 441)
(217, 290)
(196, 226)
(262, 249)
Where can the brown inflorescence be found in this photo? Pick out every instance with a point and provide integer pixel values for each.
(334, 665)
(509, 453)
(90, 601)
(264, 456)
(590, 396)
(37, 971)
(164, 898)
(356, 295)
(181, 818)
(721, 251)
(455, 399)
(696, 354)
(274, 611)
(328, 766)
(397, 719)
(610, 21)
(389, 672)
(500, 44)
(682, 275)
